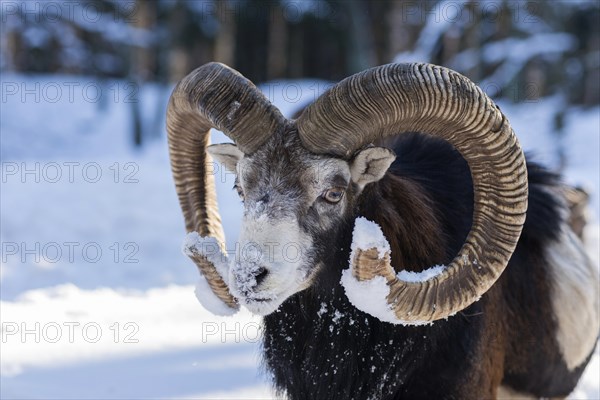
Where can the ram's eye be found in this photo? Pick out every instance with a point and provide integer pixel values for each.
(334, 195)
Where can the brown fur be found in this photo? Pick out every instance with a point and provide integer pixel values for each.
(411, 238)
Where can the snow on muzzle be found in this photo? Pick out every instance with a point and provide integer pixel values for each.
(270, 264)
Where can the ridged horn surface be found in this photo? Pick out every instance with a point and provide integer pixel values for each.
(398, 98)
(212, 96)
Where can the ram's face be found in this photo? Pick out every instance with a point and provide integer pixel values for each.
(294, 205)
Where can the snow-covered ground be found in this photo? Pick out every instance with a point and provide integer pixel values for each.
(97, 299)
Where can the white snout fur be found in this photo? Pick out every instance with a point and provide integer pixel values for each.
(279, 247)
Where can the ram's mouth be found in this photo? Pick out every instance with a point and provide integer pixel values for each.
(268, 301)
(263, 306)
(259, 300)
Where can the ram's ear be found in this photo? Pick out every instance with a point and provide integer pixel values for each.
(370, 165)
(226, 154)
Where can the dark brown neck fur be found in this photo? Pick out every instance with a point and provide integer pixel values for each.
(408, 219)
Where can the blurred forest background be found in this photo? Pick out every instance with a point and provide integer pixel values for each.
(518, 50)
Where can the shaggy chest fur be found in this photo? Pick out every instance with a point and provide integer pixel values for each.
(327, 349)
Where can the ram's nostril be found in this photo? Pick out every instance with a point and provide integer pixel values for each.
(261, 275)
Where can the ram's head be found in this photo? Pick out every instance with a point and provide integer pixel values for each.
(300, 181)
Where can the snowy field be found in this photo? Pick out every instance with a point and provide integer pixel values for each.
(97, 299)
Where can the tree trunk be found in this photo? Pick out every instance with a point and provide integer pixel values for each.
(276, 53)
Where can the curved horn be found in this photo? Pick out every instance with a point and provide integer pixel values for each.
(397, 98)
(212, 96)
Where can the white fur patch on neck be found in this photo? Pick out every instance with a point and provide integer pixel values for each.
(575, 294)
